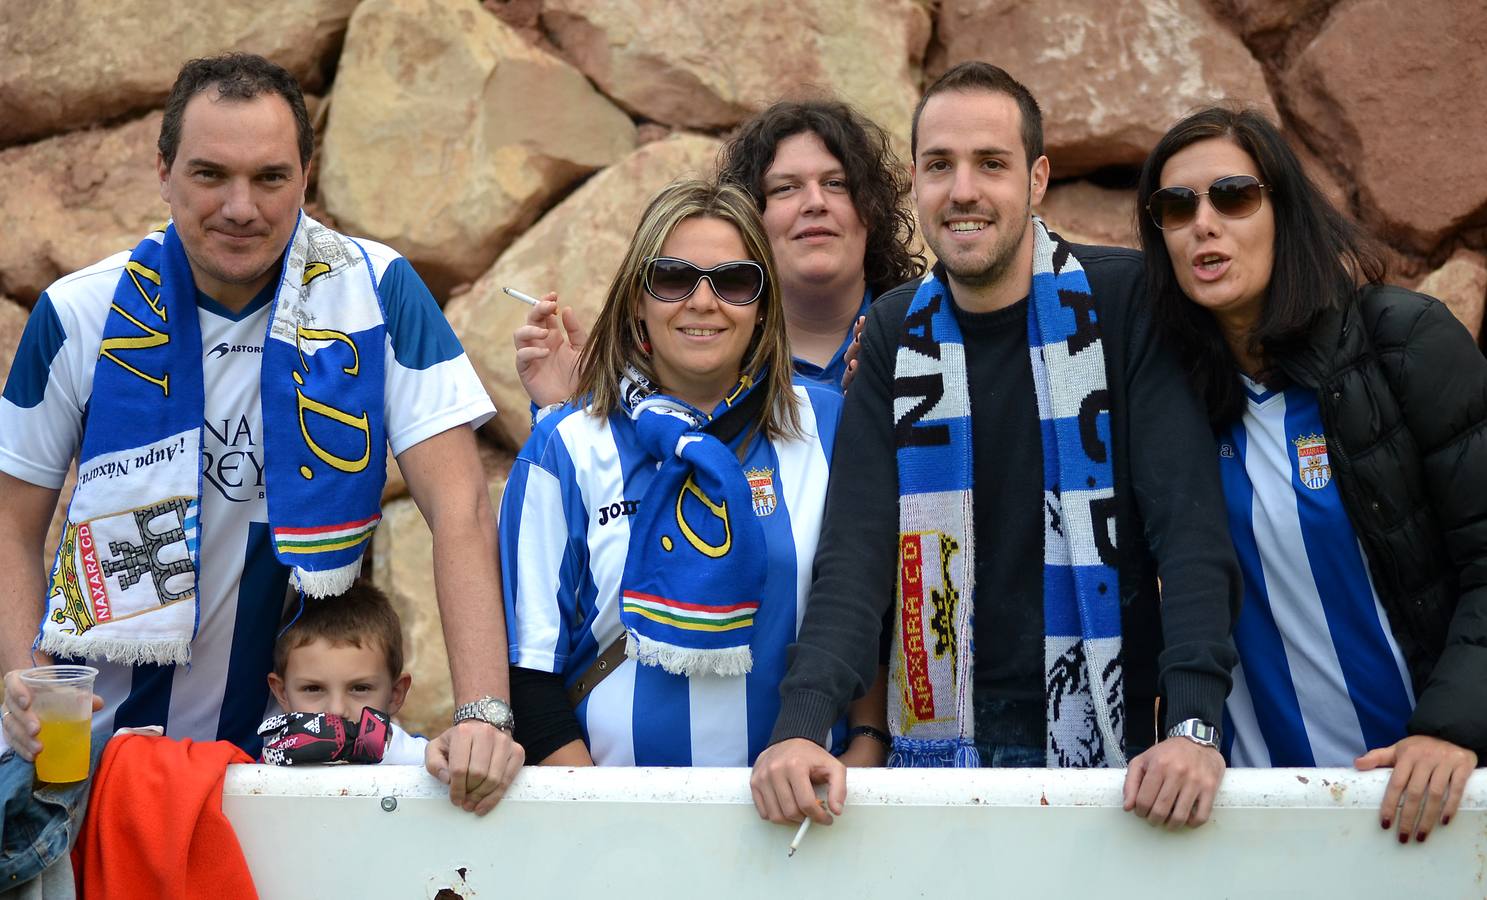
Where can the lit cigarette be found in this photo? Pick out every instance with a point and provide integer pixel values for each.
(528, 299)
(799, 833)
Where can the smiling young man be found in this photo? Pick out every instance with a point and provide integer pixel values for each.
(1022, 464)
(217, 386)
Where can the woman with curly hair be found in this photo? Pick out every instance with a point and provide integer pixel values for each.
(832, 195)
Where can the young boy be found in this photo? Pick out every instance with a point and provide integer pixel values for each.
(340, 656)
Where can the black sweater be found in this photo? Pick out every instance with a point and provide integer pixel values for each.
(1170, 524)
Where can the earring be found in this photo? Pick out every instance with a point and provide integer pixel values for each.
(643, 337)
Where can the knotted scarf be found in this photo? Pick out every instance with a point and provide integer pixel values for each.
(694, 571)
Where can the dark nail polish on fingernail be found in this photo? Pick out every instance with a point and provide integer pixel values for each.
(1386, 823)
(1445, 820)
(1420, 837)
(1404, 837)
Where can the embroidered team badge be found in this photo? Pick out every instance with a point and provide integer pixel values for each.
(1312, 464)
(761, 489)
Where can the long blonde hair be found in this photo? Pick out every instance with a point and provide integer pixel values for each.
(615, 341)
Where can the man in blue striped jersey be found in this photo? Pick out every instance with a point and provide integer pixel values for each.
(235, 149)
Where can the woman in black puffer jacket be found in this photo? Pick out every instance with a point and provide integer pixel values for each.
(1352, 434)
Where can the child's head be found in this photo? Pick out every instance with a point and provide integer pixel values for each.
(341, 653)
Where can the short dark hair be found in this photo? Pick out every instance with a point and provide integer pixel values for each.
(360, 617)
(974, 75)
(236, 76)
(1320, 256)
(876, 180)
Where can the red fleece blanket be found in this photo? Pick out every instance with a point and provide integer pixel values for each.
(155, 827)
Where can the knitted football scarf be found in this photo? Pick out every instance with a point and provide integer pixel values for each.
(694, 569)
(933, 655)
(124, 583)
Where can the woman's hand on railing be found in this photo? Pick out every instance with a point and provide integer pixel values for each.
(784, 779)
(1429, 778)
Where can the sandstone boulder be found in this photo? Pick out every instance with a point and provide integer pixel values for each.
(573, 250)
(71, 200)
(1462, 285)
(701, 64)
(1393, 96)
(1109, 75)
(13, 318)
(1268, 20)
(1086, 213)
(402, 566)
(85, 61)
(448, 134)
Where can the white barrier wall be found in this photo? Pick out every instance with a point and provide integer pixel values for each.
(609, 834)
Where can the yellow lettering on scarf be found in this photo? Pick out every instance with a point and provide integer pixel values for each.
(360, 423)
(313, 271)
(303, 334)
(720, 510)
(150, 338)
(137, 271)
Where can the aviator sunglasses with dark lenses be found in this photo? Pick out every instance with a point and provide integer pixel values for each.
(739, 282)
(1233, 196)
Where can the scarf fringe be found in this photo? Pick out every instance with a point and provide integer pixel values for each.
(949, 753)
(725, 662)
(123, 651)
(328, 583)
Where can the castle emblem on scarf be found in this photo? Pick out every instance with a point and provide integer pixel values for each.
(117, 566)
(761, 490)
(1313, 467)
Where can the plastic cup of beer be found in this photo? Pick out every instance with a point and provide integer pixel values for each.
(62, 699)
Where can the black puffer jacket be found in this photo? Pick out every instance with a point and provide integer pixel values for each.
(1403, 393)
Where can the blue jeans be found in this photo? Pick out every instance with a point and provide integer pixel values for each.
(41, 821)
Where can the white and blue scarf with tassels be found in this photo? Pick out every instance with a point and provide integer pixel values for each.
(123, 586)
(929, 709)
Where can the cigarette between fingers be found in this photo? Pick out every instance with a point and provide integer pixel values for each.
(525, 298)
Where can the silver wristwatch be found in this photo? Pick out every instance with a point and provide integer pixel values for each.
(1196, 730)
(489, 710)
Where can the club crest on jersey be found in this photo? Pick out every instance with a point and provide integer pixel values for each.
(761, 490)
(1312, 464)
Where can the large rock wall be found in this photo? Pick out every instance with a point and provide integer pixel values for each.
(514, 141)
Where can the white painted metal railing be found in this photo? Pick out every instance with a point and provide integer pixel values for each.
(372, 832)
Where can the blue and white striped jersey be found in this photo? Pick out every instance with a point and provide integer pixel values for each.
(223, 694)
(565, 532)
(1320, 678)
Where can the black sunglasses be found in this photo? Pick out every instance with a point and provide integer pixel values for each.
(1233, 196)
(670, 279)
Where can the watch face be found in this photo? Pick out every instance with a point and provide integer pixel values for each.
(1204, 731)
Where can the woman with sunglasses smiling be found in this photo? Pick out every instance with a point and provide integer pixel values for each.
(657, 537)
(1352, 438)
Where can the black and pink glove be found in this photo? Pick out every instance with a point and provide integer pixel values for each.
(296, 739)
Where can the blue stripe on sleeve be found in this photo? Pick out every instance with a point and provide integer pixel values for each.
(420, 335)
(40, 342)
(1266, 670)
